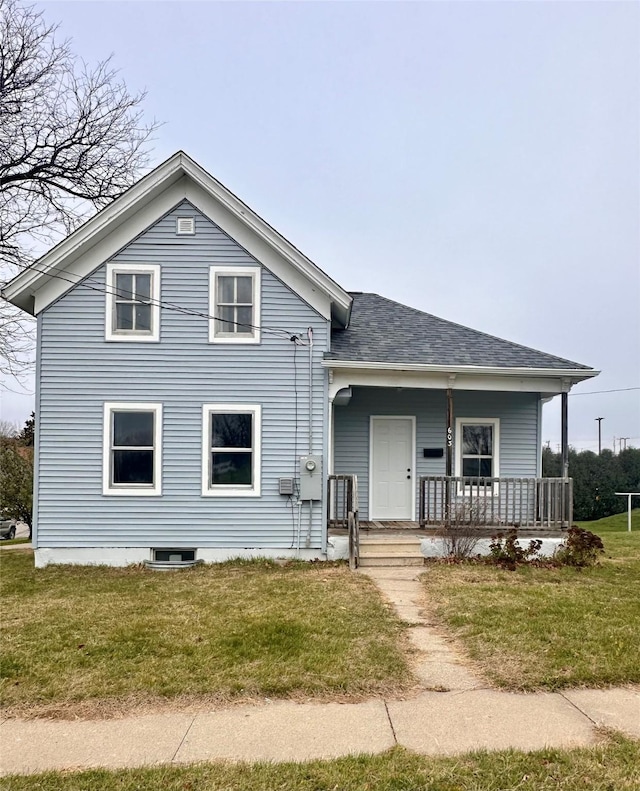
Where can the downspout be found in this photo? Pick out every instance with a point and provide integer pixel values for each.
(310, 451)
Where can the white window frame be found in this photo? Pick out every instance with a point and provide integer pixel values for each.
(128, 336)
(132, 490)
(477, 421)
(255, 272)
(232, 490)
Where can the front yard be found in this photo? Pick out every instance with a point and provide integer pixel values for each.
(88, 641)
(539, 628)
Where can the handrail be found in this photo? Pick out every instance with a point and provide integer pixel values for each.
(495, 502)
(342, 511)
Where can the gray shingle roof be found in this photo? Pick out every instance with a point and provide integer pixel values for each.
(382, 330)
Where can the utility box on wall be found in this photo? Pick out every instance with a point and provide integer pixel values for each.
(311, 477)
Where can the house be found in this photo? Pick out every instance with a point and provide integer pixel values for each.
(199, 380)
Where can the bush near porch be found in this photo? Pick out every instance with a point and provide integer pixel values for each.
(90, 639)
(549, 628)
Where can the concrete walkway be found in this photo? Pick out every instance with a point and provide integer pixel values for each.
(465, 717)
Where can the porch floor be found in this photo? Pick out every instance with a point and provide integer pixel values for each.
(393, 528)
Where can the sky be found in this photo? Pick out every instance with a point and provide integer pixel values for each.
(478, 161)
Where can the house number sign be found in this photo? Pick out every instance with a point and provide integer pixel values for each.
(449, 436)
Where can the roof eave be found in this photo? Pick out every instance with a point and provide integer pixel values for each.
(574, 374)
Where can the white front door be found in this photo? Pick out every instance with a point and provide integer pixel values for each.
(391, 468)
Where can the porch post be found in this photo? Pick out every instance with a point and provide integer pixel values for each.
(565, 434)
(449, 467)
(330, 439)
(567, 489)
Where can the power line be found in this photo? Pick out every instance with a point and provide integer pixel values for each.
(596, 392)
(103, 289)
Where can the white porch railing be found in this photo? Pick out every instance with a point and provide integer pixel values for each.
(496, 502)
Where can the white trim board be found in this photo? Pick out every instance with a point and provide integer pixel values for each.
(440, 379)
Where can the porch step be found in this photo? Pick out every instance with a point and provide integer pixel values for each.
(392, 551)
(383, 560)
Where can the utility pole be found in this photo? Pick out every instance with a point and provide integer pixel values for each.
(599, 419)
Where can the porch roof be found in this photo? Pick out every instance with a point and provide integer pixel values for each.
(383, 331)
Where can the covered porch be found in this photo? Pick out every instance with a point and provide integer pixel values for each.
(429, 455)
(414, 452)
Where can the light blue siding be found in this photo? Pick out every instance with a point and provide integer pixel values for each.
(518, 413)
(80, 371)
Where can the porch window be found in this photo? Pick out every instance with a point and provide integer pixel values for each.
(477, 447)
(231, 450)
(132, 448)
(133, 302)
(234, 304)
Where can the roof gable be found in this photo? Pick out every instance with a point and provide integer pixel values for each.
(383, 331)
(175, 180)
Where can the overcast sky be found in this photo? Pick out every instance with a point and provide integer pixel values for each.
(479, 161)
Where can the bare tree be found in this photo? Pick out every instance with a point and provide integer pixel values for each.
(8, 430)
(72, 140)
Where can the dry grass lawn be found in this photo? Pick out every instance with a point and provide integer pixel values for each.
(539, 628)
(89, 640)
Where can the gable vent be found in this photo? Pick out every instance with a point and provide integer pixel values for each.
(186, 226)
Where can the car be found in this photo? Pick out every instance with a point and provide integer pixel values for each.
(8, 528)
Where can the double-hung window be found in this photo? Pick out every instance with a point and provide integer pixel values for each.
(477, 447)
(234, 304)
(132, 449)
(231, 450)
(133, 302)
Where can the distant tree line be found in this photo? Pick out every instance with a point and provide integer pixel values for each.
(596, 479)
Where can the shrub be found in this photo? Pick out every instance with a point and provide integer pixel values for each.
(507, 553)
(458, 543)
(458, 536)
(580, 549)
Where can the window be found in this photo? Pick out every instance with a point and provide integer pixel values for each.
(231, 450)
(477, 447)
(133, 295)
(132, 449)
(234, 305)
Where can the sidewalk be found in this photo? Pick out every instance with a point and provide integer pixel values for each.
(464, 717)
